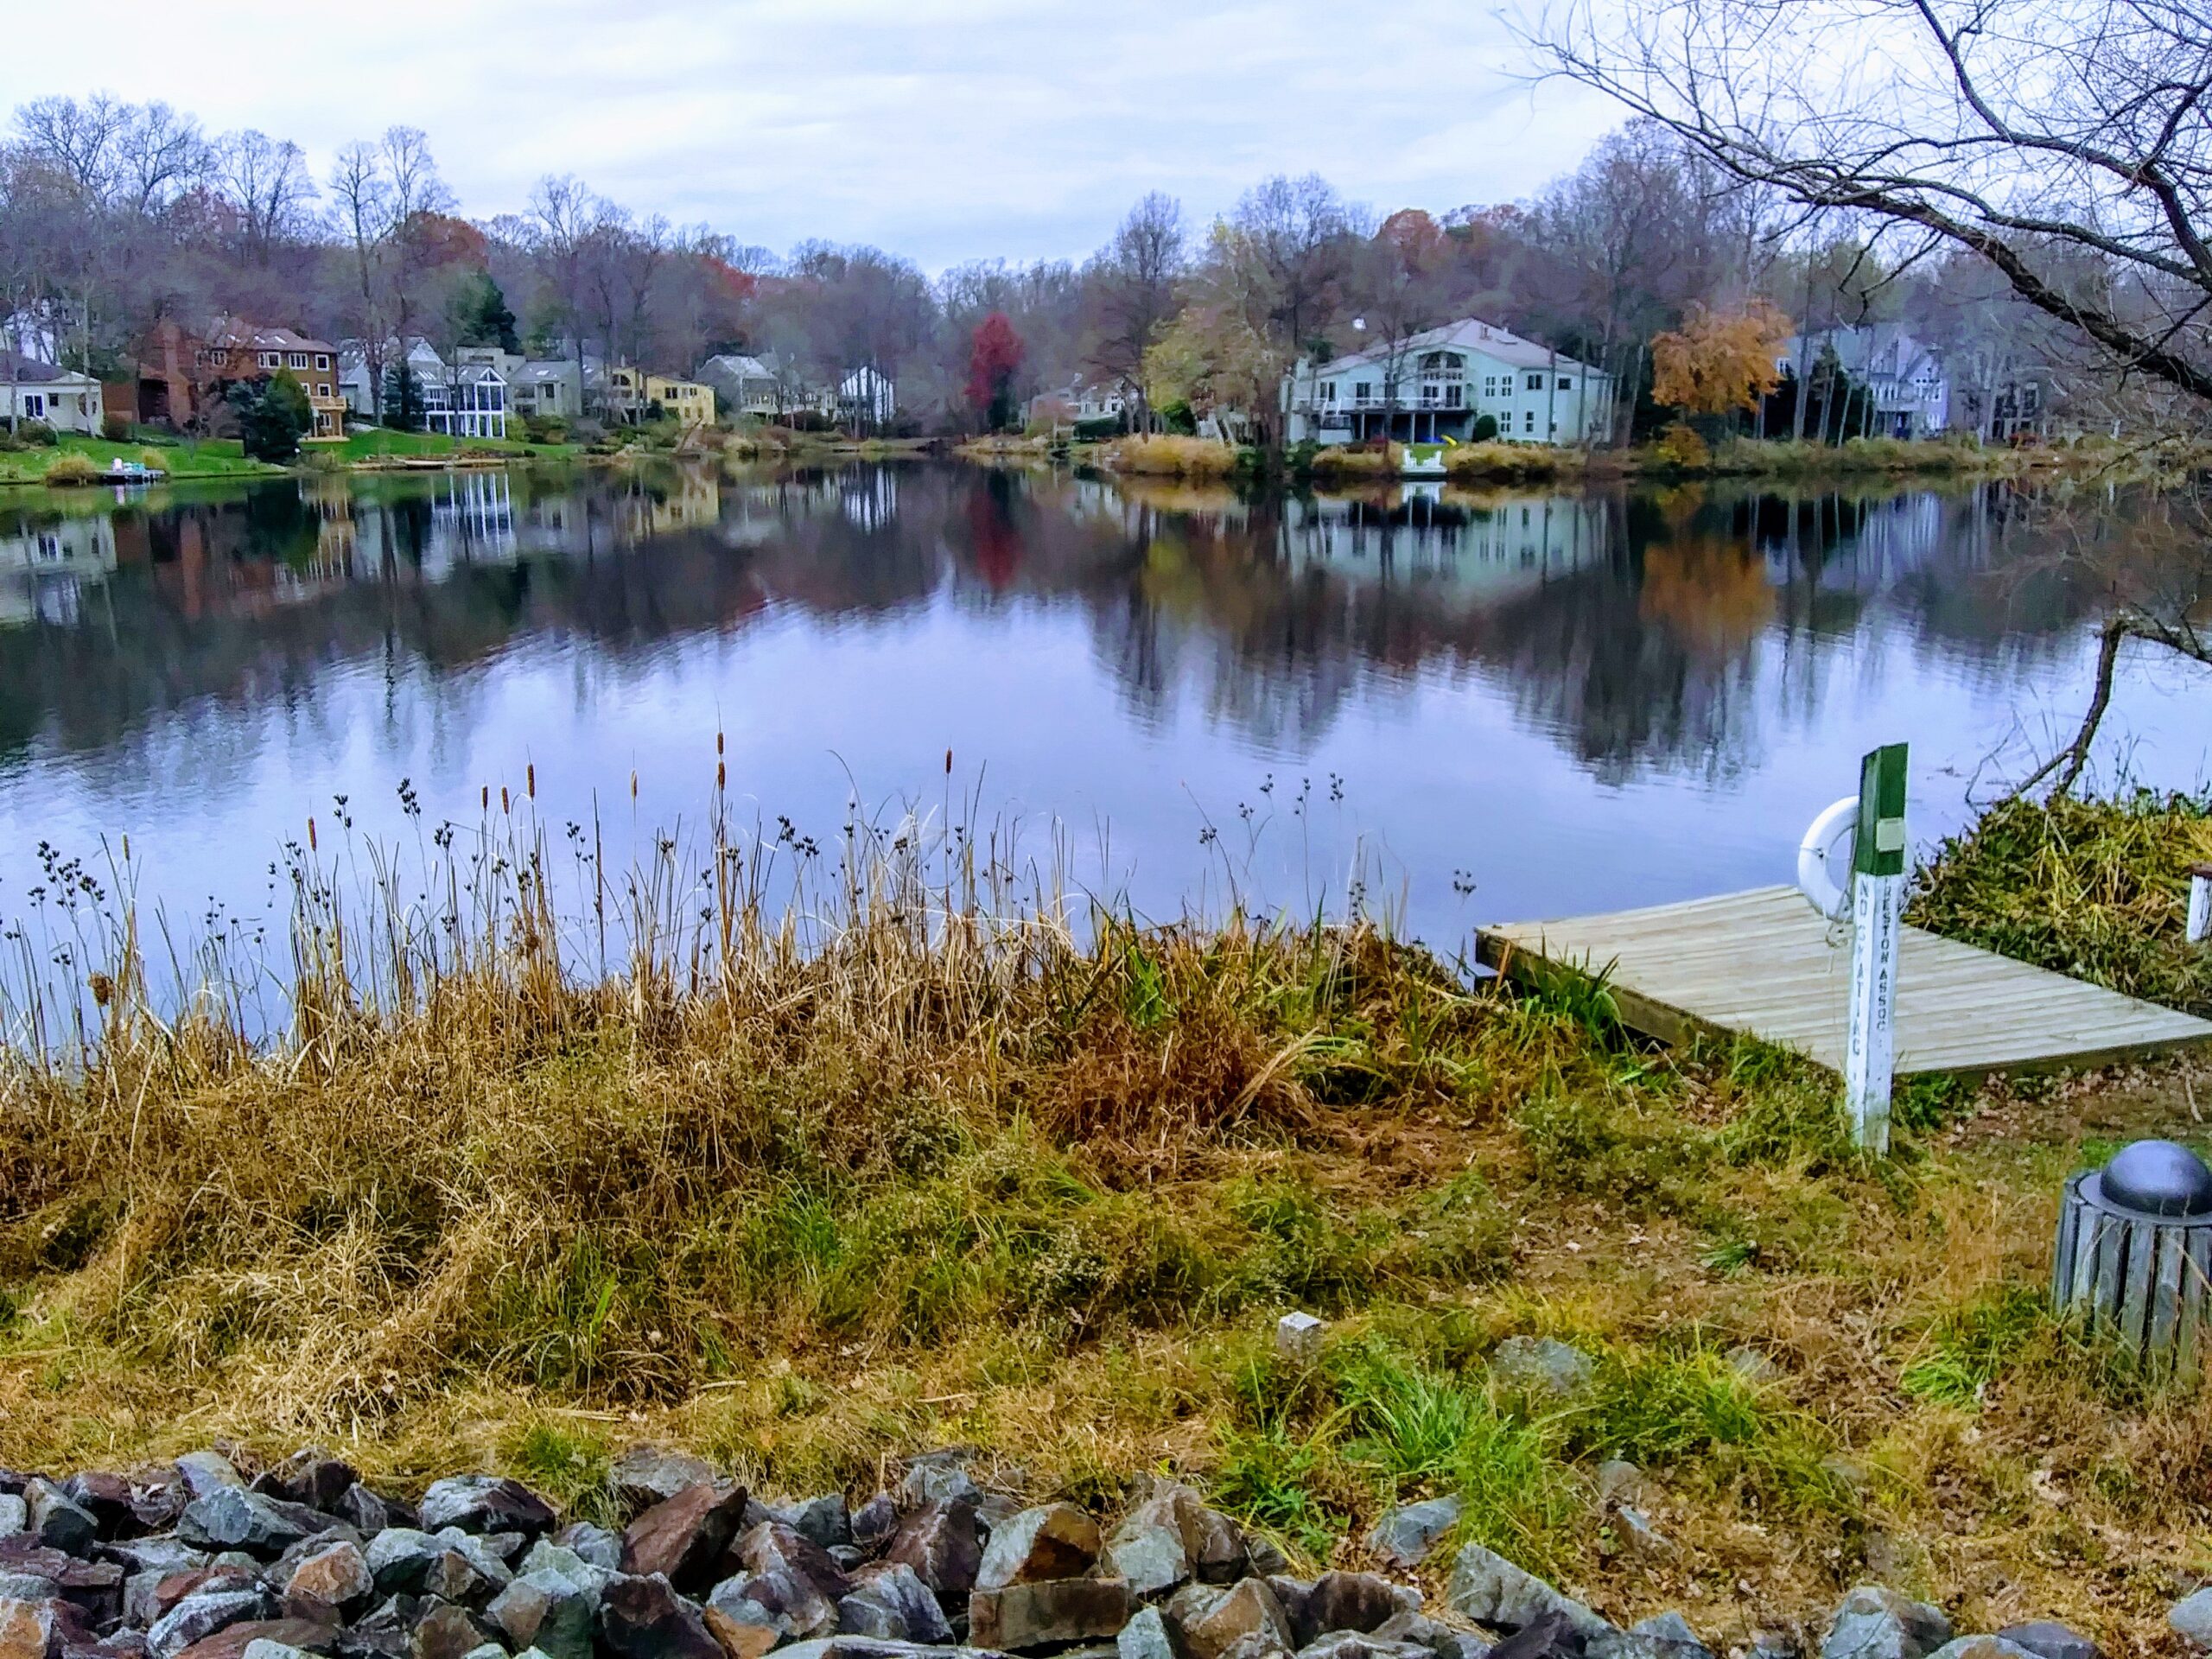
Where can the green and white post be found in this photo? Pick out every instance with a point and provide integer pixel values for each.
(1877, 883)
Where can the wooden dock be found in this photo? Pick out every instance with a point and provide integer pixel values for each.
(1764, 964)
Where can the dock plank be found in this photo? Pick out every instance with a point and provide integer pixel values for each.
(1763, 962)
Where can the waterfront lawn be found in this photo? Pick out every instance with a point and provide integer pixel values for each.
(1047, 1195)
(200, 458)
(373, 443)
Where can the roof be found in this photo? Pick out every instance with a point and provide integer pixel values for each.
(16, 369)
(739, 365)
(1469, 333)
(231, 334)
(1871, 349)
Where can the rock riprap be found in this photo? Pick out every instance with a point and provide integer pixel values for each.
(202, 1560)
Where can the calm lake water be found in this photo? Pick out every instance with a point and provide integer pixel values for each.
(1501, 706)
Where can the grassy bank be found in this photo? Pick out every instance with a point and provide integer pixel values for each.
(2098, 889)
(533, 1179)
(75, 455)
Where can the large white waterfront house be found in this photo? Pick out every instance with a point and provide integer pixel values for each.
(1439, 383)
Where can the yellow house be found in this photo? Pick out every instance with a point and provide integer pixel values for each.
(688, 401)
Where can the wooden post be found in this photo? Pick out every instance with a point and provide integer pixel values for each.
(1877, 883)
(2200, 904)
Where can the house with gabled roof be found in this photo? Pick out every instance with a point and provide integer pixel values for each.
(1437, 385)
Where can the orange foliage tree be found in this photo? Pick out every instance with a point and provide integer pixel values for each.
(1718, 362)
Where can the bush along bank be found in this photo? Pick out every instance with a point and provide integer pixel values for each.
(196, 1560)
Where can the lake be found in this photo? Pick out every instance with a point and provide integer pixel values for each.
(1489, 706)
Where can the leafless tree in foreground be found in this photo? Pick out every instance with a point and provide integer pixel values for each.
(2066, 142)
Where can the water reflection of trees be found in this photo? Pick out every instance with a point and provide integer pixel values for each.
(1638, 629)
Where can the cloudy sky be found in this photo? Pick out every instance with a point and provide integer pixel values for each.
(947, 130)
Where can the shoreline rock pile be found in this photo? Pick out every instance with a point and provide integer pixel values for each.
(197, 1562)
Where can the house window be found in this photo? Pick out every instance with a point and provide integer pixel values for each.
(1363, 391)
(297, 360)
(321, 361)
(1528, 421)
(1490, 386)
(273, 359)
(1535, 383)
(1328, 391)
(323, 390)
(1566, 385)
(33, 406)
(1452, 396)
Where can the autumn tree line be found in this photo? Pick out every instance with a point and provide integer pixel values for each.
(115, 216)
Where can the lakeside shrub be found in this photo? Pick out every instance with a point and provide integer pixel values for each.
(1167, 455)
(2098, 889)
(1470, 462)
(1682, 446)
(1340, 463)
(72, 468)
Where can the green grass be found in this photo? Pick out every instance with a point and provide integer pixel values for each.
(203, 458)
(375, 442)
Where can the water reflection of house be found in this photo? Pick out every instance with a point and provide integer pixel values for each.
(693, 503)
(45, 569)
(1497, 548)
(869, 499)
(1848, 545)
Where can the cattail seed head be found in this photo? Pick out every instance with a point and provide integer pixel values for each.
(530, 778)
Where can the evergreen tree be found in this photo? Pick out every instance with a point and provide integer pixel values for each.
(274, 415)
(403, 399)
(481, 316)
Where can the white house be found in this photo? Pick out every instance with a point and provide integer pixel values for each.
(752, 385)
(470, 402)
(33, 390)
(366, 401)
(1902, 377)
(1439, 383)
(866, 396)
(1080, 402)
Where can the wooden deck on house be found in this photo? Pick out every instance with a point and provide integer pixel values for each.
(1764, 964)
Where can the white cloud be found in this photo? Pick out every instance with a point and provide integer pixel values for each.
(944, 130)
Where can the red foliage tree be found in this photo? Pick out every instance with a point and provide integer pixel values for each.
(994, 356)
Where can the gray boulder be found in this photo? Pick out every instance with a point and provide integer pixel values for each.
(485, 1504)
(1404, 1536)
(58, 1519)
(202, 1472)
(1213, 1620)
(464, 1569)
(646, 1475)
(1145, 1636)
(596, 1545)
(231, 1517)
(548, 1610)
(2192, 1617)
(1488, 1589)
(825, 1520)
(1665, 1635)
(1055, 1540)
(2048, 1640)
(1543, 1366)
(1418, 1630)
(398, 1557)
(1981, 1647)
(14, 1515)
(1362, 1644)
(1875, 1622)
(890, 1603)
(197, 1618)
(940, 1476)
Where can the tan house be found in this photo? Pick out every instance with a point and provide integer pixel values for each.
(232, 350)
(687, 401)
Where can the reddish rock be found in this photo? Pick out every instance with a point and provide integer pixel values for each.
(1048, 1614)
(643, 1618)
(683, 1538)
(1038, 1546)
(939, 1541)
(231, 1642)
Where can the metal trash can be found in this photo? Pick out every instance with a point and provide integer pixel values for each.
(2134, 1253)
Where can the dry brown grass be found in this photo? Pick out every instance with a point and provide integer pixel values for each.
(1169, 456)
(942, 1162)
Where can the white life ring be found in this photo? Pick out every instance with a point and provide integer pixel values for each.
(1826, 894)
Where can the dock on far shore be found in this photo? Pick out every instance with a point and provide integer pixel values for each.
(1764, 964)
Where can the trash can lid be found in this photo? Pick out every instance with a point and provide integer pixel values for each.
(2158, 1177)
